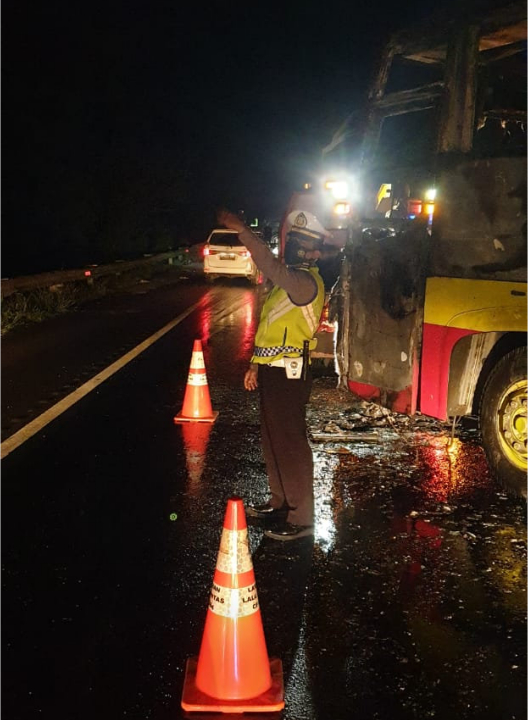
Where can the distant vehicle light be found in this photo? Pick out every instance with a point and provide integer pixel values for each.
(307, 186)
(414, 207)
(429, 208)
(342, 209)
(430, 194)
(87, 273)
(339, 188)
(324, 323)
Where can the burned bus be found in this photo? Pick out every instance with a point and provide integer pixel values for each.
(432, 292)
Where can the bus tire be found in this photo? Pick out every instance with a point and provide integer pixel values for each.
(502, 416)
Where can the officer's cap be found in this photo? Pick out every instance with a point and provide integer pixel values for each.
(305, 224)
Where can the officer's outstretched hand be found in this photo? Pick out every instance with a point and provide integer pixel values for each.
(230, 220)
(251, 377)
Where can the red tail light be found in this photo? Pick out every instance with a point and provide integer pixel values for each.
(245, 254)
(414, 207)
(206, 251)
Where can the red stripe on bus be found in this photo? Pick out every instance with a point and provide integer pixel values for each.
(401, 401)
(438, 342)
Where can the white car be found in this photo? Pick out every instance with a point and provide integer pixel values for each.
(225, 255)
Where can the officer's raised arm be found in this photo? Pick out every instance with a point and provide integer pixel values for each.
(302, 250)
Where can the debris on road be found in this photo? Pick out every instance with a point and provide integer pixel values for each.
(336, 415)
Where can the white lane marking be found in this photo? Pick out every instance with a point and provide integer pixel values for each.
(53, 412)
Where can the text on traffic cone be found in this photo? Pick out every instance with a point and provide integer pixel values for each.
(196, 402)
(233, 672)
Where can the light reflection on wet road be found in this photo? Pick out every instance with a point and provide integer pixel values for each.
(421, 575)
(409, 603)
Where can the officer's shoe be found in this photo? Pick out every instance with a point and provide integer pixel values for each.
(265, 511)
(289, 531)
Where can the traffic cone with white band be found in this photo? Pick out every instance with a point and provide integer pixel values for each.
(196, 402)
(233, 672)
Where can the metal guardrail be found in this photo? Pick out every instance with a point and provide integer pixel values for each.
(8, 286)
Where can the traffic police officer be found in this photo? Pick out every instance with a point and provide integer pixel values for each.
(280, 368)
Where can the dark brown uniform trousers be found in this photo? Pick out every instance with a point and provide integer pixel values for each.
(287, 452)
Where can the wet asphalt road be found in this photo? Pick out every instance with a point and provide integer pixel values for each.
(409, 603)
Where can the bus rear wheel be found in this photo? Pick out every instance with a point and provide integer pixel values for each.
(503, 421)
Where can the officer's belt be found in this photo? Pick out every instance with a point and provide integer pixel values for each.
(277, 363)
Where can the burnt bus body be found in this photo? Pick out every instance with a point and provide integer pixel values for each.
(432, 296)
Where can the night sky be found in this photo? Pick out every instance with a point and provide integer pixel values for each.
(125, 125)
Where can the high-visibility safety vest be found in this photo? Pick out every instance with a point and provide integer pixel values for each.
(284, 326)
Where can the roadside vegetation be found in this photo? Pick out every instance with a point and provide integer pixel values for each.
(37, 305)
(32, 306)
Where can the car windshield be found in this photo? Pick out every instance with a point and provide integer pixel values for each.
(225, 239)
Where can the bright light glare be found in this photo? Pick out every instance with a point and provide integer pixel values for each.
(429, 208)
(342, 209)
(430, 194)
(326, 531)
(340, 190)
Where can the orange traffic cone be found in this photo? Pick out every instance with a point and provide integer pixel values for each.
(233, 672)
(197, 402)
